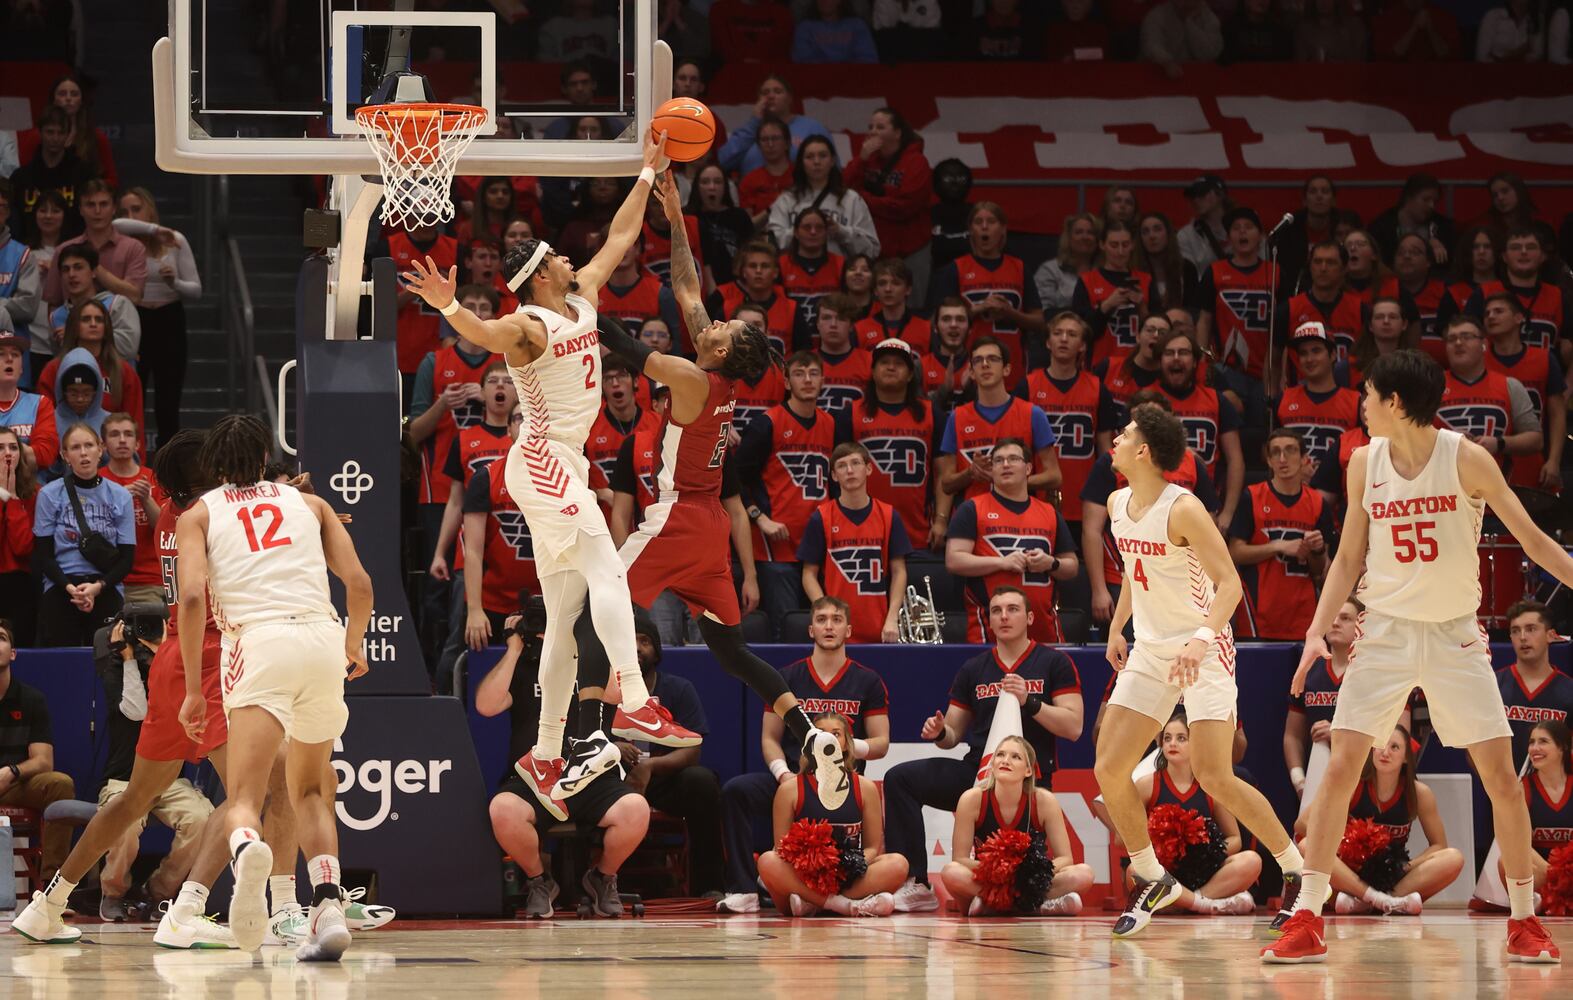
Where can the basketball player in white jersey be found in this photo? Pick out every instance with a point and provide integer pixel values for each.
(554, 356)
(259, 553)
(1417, 495)
(1181, 589)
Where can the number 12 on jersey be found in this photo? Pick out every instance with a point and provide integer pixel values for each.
(252, 517)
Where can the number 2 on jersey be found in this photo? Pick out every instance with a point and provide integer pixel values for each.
(1138, 575)
(270, 535)
(719, 455)
(589, 370)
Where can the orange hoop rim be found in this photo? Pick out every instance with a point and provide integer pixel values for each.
(455, 116)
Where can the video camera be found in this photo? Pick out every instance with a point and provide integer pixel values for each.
(141, 621)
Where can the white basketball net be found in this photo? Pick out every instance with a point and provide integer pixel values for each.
(418, 146)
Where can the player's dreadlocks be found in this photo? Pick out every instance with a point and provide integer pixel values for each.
(750, 354)
(178, 466)
(236, 450)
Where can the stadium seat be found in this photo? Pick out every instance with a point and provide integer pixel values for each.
(756, 628)
(1074, 625)
(947, 589)
(794, 626)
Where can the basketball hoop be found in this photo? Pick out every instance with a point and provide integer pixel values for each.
(418, 147)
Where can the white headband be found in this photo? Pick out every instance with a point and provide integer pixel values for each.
(541, 250)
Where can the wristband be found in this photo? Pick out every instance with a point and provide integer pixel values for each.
(450, 308)
(1501, 444)
(943, 732)
(860, 749)
(16, 772)
(778, 767)
(648, 176)
(1205, 634)
(1030, 707)
(1297, 776)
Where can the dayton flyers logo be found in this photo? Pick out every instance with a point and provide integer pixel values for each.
(1321, 440)
(516, 532)
(1005, 544)
(468, 414)
(1202, 435)
(835, 398)
(1251, 306)
(1537, 332)
(1292, 567)
(744, 414)
(606, 465)
(863, 566)
(902, 460)
(808, 470)
(479, 462)
(1475, 420)
(1074, 434)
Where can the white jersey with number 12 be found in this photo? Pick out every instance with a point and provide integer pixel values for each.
(265, 559)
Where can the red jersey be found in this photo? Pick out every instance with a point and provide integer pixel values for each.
(749, 401)
(914, 329)
(1200, 412)
(450, 367)
(1242, 305)
(508, 562)
(806, 287)
(975, 435)
(1123, 382)
(691, 454)
(845, 379)
(165, 553)
(145, 570)
(1545, 308)
(1185, 474)
(1001, 531)
(417, 321)
(857, 565)
(633, 305)
(938, 375)
(606, 437)
(646, 440)
(1320, 418)
(1428, 305)
(900, 444)
(758, 189)
(16, 534)
(796, 477)
(1532, 367)
(780, 313)
(1462, 291)
(507, 301)
(1354, 437)
(1481, 408)
(1073, 413)
(1119, 335)
(1280, 596)
(1344, 320)
(473, 450)
(1007, 278)
(657, 254)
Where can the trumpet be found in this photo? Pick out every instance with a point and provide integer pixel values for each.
(920, 620)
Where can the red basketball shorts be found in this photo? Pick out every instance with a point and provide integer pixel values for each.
(684, 546)
(163, 738)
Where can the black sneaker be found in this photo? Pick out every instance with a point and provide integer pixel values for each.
(587, 759)
(1146, 899)
(1286, 907)
(604, 898)
(540, 892)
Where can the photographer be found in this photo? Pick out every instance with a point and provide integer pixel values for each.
(123, 653)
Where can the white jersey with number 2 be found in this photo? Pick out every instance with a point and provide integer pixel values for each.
(1422, 560)
(265, 559)
(1171, 595)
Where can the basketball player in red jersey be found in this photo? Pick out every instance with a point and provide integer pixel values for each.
(681, 542)
(1417, 498)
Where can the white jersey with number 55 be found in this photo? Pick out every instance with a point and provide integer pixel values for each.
(265, 560)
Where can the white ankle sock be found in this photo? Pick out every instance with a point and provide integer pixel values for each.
(839, 904)
(1376, 897)
(282, 890)
(1521, 897)
(1202, 904)
(324, 870)
(1313, 891)
(1144, 864)
(194, 895)
(240, 837)
(59, 890)
(1289, 859)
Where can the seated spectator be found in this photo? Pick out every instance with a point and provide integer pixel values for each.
(1002, 31)
(27, 756)
(1257, 33)
(1310, 719)
(947, 372)
(1181, 31)
(122, 260)
(1415, 31)
(517, 814)
(1532, 689)
(757, 275)
(1282, 538)
(908, 30)
(1539, 371)
(856, 825)
(750, 31)
(90, 144)
(1111, 297)
(690, 79)
(892, 174)
(18, 496)
(1056, 279)
(86, 340)
(1158, 253)
(1077, 36)
(578, 84)
(860, 546)
(1329, 32)
(490, 212)
(1012, 790)
(994, 284)
(1225, 891)
(30, 415)
(832, 34)
(1317, 408)
(1474, 268)
(784, 464)
(1367, 268)
(172, 281)
(145, 582)
(1328, 301)
(846, 367)
(1390, 797)
(740, 154)
(1421, 293)
(1233, 299)
(19, 274)
(1512, 33)
(1313, 223)
(582, 31)
(817, 183)
(525, 209)
(951, 215)
(49, 218)
(1044, 683)
(53, 167)
(1119, 205)
(810, 271)
(1512, 208)
(1546, 787)
(1415, 213)
(1489, 408)
(857, 284)
(723, 226)
(1212, 423)
(898, 428)
(760, 187)
(1385, 332)
(1081, 412)
(77, 266)
(1204, 239)
(893, 318)
(81, 594)
(1550, 308)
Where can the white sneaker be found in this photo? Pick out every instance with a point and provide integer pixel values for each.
(1409, 905)
(881, 904)
(975, 908)
(800, 907)
(183, 928)
(1348, 904)
(286, 928)
(738, 902)
(831, 778)
(1239, 905)
(40, 923)
(362, 917)
(1067, 905)
(915, 897)
(328, 936)
(248, 907)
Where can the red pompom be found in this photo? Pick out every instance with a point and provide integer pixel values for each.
(1362, 840)
(810, 848)
(998, 859)
(1172, 830)
(1557, 895)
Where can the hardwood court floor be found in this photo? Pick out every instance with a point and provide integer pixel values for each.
(1444, 955)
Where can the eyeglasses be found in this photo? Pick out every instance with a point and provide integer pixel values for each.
(1463, 338)
(987, 359)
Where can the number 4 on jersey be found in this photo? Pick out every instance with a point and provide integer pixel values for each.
(1138, 575)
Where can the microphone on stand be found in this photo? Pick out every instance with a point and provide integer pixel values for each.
(1288, 219)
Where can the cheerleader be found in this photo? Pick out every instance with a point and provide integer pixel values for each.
(866, 878)
(1390, 797)
(1226, 889)
(1011, 791)
(1547, 789)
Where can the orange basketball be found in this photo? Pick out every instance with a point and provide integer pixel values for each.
(689, 128)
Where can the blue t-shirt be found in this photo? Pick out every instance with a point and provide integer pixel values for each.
(108, 510)
(1042, 430)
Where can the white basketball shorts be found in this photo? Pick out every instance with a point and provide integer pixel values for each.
(296, 670)
(1143, 686)
(549, 481)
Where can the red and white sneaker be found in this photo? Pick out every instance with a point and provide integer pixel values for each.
(541, 776)
(653, 724)
(1302, 941)
(1527, 941)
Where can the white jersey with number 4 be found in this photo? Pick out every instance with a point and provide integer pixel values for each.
(1422, 560)
(560, 391)
(265, 559)
(1171, 595)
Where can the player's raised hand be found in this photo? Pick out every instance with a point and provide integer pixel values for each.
(1188, 664)
(428, 281)
(665, 192)
(655, 152)
(193, 715)
(1315, 649)
(1117, 651)
(933, 726)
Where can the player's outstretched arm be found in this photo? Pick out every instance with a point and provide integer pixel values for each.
(1480, 476)
(339, 551)
(500, 336)
(625, 227)
(685, 276)
(686, 380)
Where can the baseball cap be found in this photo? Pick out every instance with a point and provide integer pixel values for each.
(1204, 184)
(1310, 330)
(79, 375)
(13, 341)
(1241, 212)
(898, 345)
